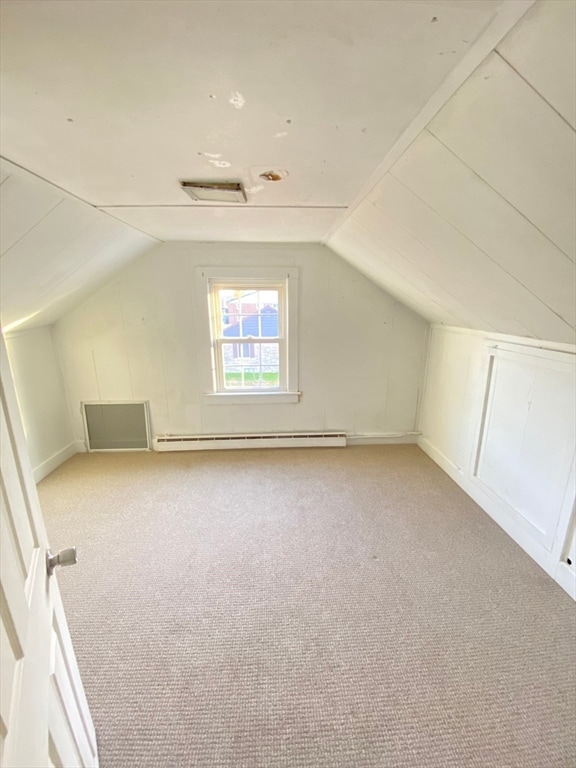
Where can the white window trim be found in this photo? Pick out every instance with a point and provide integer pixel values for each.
(205, 276)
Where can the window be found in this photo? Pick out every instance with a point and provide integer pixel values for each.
(252, 329)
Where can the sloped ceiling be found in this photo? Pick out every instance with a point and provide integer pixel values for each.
(116, 101)
(466, 127)
(473, 224)
(54, 249)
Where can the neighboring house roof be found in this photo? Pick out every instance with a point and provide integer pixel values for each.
(249, 325)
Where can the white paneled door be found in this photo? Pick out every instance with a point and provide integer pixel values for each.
(44, 717)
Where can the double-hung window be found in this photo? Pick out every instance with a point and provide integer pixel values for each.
(252, 319)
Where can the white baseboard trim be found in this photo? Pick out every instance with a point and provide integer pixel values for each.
(443, 461)
(54, 461)
(392, 438)
(81, 446)
(496, 511)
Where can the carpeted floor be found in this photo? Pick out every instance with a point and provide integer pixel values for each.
(312, 608)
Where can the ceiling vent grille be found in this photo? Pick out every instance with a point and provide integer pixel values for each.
(215, 191)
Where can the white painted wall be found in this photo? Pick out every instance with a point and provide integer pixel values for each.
(505, 432)
(40, 389)
(361, 353)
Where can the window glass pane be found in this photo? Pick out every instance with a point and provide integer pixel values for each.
(249, 312)
(249, 366)
(270, 355)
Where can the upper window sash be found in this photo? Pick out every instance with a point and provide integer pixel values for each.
(216, 309)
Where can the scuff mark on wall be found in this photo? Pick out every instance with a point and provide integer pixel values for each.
(253, 190)
(219, 163)
(280, 135)
(209, 154)
(237, 100)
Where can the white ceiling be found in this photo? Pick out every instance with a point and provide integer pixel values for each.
(116, 101)
(459, 197)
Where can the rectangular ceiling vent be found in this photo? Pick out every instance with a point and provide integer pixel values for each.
(266, 440)
(215, 191)
(116, 426)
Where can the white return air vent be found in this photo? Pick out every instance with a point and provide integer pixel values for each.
(274, 440)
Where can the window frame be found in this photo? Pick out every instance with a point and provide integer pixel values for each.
(285, 280)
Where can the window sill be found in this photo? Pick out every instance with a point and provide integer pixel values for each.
(241, 398)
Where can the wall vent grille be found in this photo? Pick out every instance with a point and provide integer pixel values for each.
(116, 426)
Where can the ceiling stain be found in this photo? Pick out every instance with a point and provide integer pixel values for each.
(274, 175)
(237, 100)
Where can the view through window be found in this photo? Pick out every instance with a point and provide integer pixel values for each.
(248, 336)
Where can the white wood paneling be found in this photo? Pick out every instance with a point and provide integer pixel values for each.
(526, 445)
(108, 342)
(61, 261)
(421, 237)
(543, 50)
(363, 247)
(403, 389)
(499, 126)
(173, 280)
(462, 198)
(143, 341)
(523, 474)
(440, 250)
(474, 221)
(55, 249)
(146, 318)
(71, 336)
(25, 202)
(52, 234)
(452, 368)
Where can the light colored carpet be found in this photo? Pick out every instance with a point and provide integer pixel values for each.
(312, 608)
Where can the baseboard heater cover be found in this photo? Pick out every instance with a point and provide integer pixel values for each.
(275, 440)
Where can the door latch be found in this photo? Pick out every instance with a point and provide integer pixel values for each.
(63, 558)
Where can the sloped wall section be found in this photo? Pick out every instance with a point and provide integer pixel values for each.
(473, 226)
(54, 249)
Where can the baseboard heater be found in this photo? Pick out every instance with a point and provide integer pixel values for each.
(270, 440)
